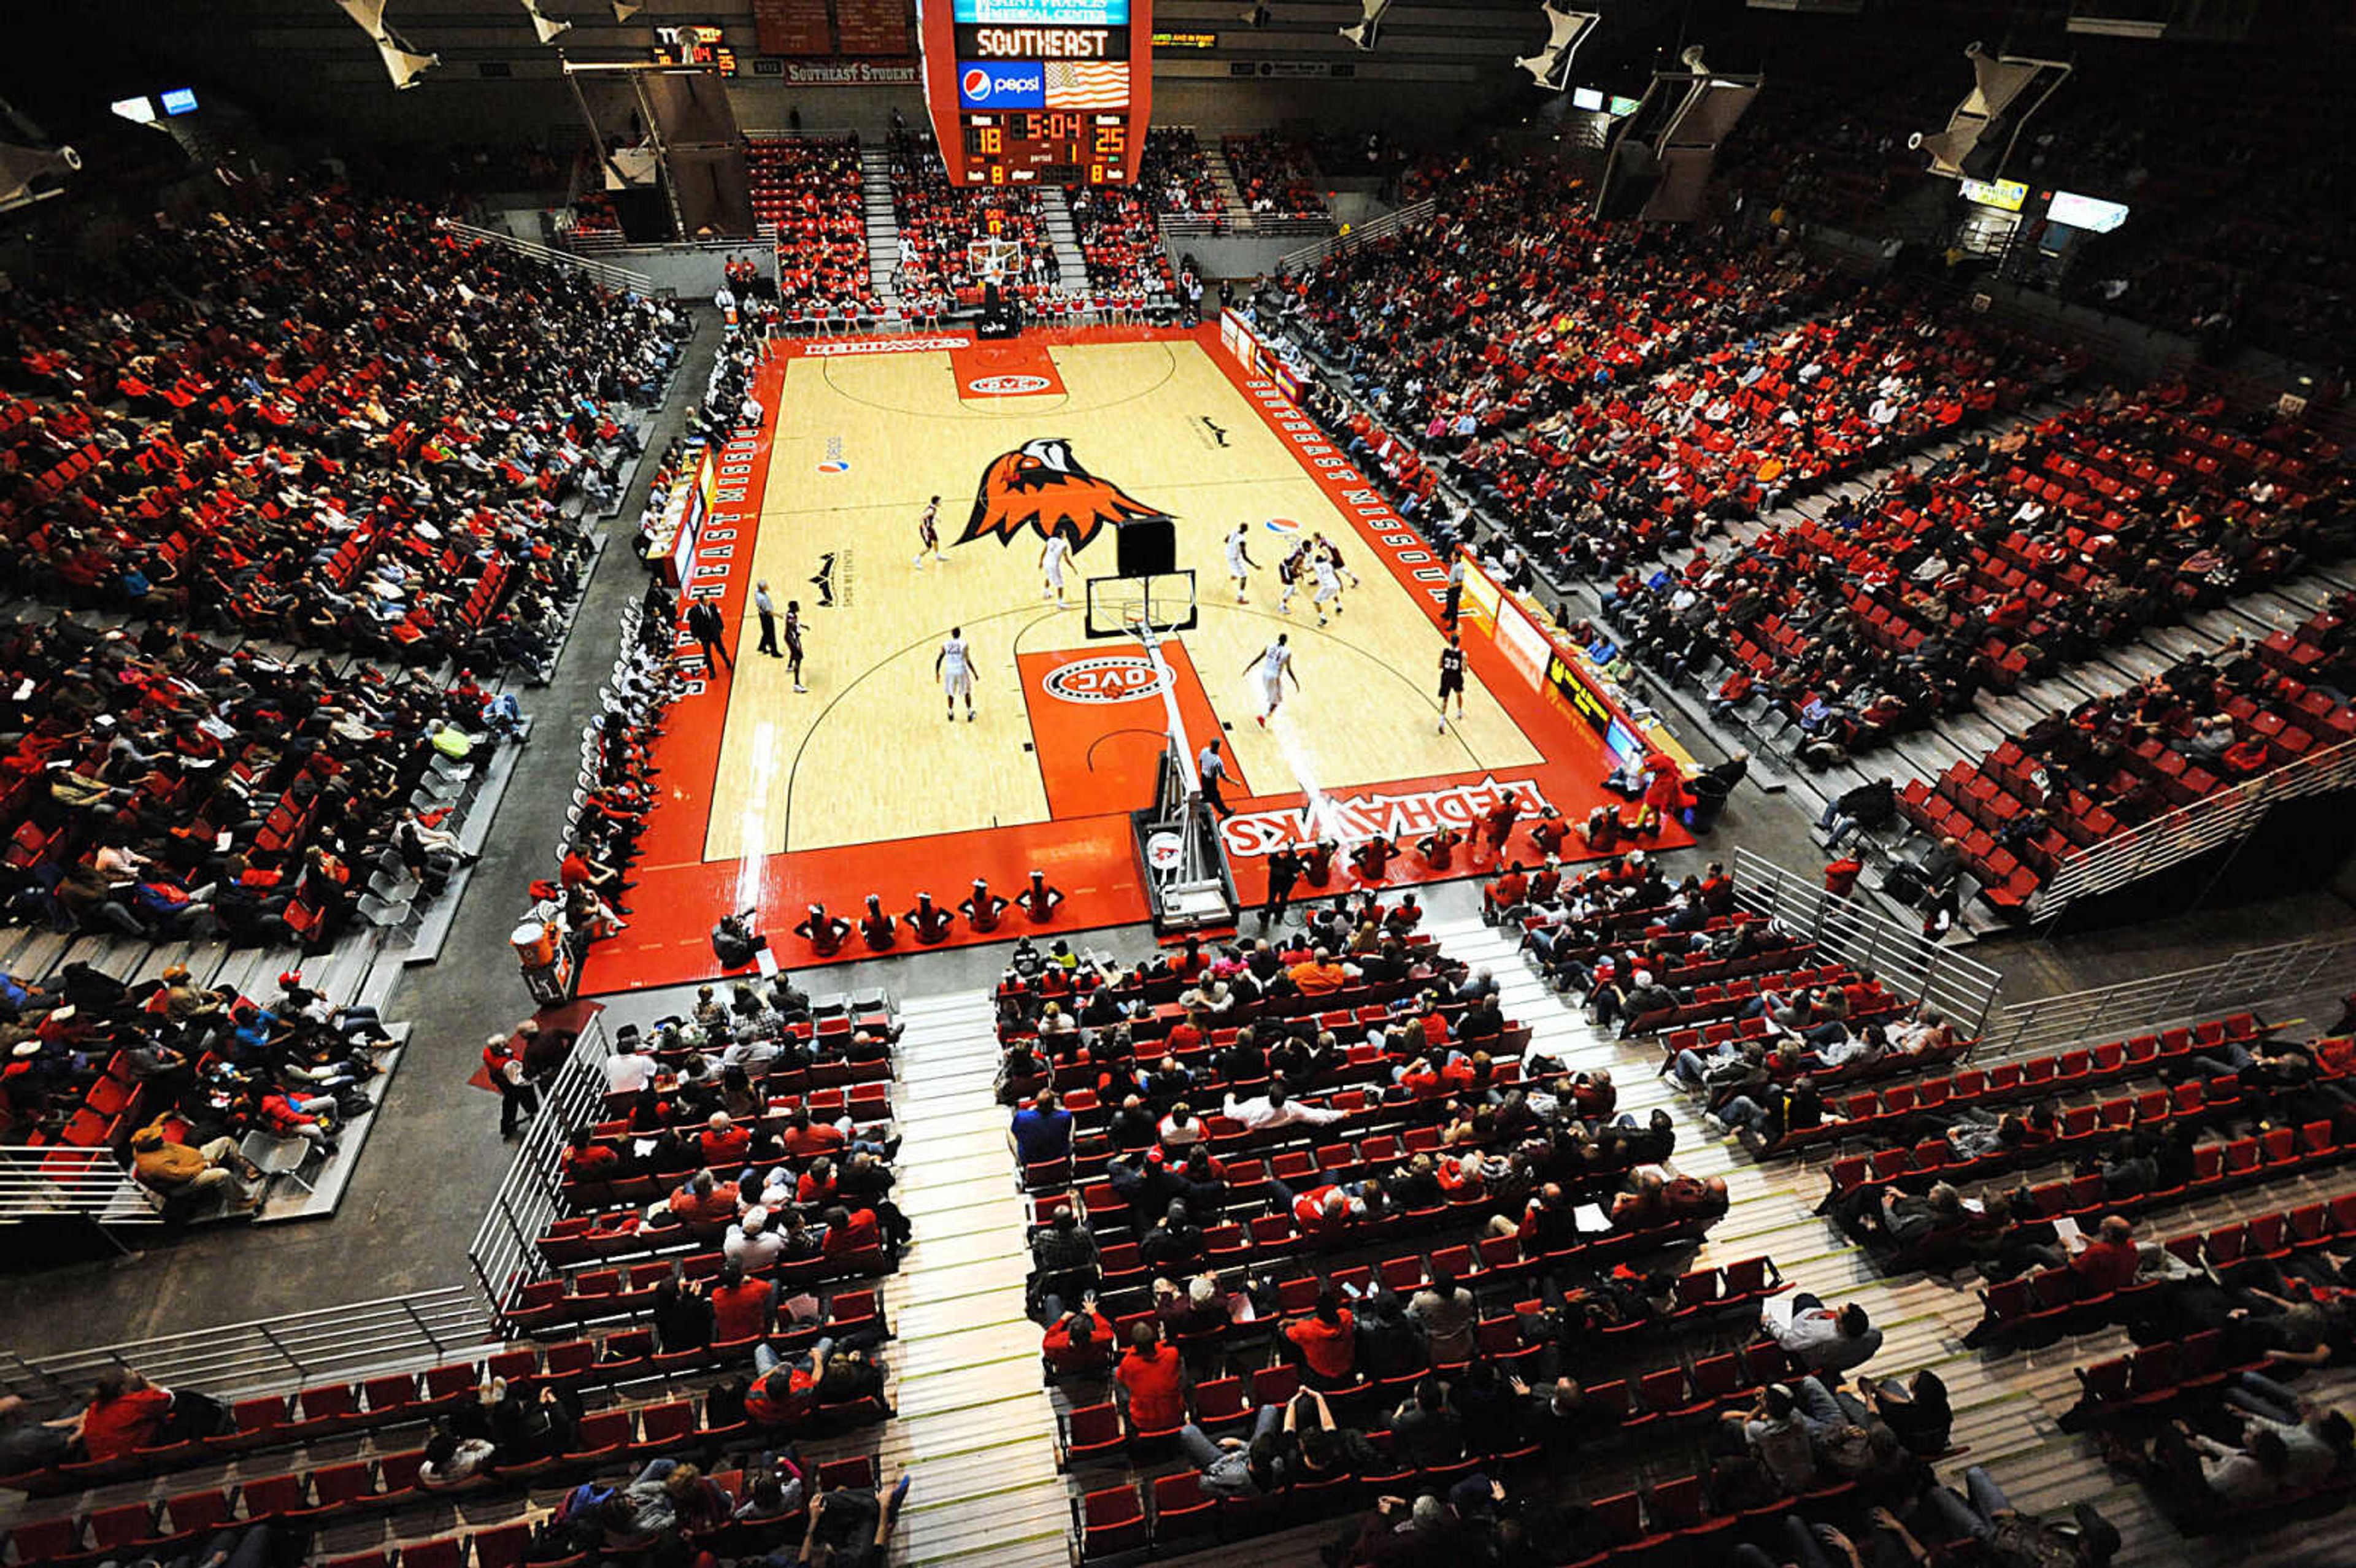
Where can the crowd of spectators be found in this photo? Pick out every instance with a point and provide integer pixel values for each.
(2113, 761)
(1404, 1382)
(1513, 303)
(183, 1074)
(2016, 555)
(940, 221)
(165, 789)
(1274, 175)
(1763, 418)
(1121, 242)
(1175, 178)
(809, 192)
(667, 1510)
(339, 426)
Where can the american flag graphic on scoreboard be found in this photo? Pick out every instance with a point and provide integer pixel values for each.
(1087, 85)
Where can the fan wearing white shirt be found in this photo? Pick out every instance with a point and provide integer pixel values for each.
(1274, 1109)
(627, 1072)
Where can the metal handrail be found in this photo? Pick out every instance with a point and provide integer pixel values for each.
(604, 273)
(505, 1253)
(1963, 989)
(2241, 983)
(1366, 234)
(2192, 829)
(1246, 226)
(268, 1355)
(47, 1181)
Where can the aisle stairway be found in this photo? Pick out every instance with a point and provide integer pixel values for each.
(1066, 238)
(1222, 175)
(974, 1422)
(882, 228)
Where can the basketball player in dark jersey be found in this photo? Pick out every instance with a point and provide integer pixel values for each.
(793, 629)
(1451, 680)
(1289, 573)
(929, 534)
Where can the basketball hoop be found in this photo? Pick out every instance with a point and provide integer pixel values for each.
(993, 260)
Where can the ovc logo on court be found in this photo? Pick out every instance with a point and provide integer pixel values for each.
(1114, 678)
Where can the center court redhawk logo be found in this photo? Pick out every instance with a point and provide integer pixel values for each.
(1040, 486)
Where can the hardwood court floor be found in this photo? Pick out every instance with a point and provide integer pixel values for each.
(864, 783)
(1136, 414)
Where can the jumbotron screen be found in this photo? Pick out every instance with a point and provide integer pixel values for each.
(1039, 92)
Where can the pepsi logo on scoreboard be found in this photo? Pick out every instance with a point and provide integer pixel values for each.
(997, 84)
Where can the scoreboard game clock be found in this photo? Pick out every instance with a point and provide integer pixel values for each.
(1039, 92)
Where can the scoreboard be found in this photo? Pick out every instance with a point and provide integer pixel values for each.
(1039, 92)
(696, 44)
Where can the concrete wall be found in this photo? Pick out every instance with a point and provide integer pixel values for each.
(1237, 256)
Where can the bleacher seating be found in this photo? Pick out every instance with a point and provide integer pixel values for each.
(2042, 796)
(807, 194)
(1273, 176)
(321, 482)
(939, 221)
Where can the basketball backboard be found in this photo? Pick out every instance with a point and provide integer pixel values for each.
(1128, 606)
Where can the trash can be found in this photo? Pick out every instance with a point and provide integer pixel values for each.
(1708, 799)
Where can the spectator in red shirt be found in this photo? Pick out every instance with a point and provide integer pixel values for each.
(818, 1184)
(126, 1412)
(741, 1309)
(724, 1144)
(1151, 1379)
(1327, 1211)
(1506, 891)
(1327, 1342)
(2108, 1262)
(1840, 877)
(1080, 1341)
(851, 1230)
(806, 1139)
(589, 1160)
(701, 1200)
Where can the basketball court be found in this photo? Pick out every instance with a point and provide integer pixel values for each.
(866, 783)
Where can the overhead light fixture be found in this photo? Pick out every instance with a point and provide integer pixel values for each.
(1370, 23)
(403, 64)
(1566, 30)
(20, 167)
(550, 28)
(2006, 91)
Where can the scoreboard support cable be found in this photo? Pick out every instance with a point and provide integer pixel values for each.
(1038, 92)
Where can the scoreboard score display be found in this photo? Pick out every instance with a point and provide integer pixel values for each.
(1039, 92)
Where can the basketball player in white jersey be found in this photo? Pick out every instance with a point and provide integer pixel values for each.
(1329, 584)
(954, 667)
(1332, 552)
(928, 535)
(1274, 662)
(1239, 561)
(1051, 566)
(1451, 680)
(1288, 572)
